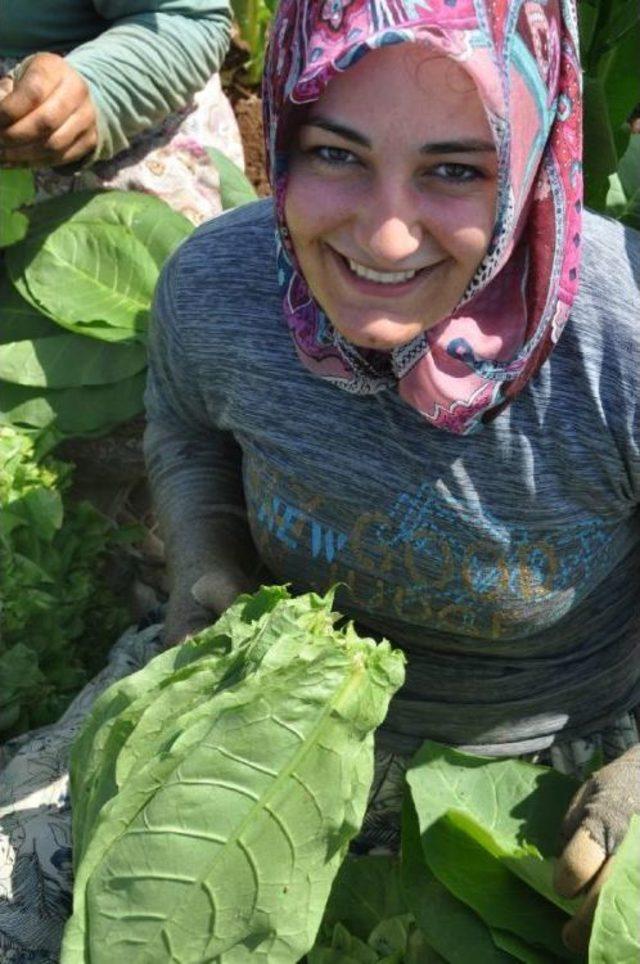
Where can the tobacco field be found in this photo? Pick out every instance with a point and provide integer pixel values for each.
(473, 880)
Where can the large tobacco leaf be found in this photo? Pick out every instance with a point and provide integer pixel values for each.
(115, 734)
(19, 320)
(481, 880)
(449, 925)
(87, 410)
(515, 801)
(489, 834)
(518, 949)
(366, 891)
(223, 846)
(65, 361)
(16, 190)
(109, 247)
(235, 187)
(110, 278)
(615, 937)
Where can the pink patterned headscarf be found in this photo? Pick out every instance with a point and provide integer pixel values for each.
(523, 58)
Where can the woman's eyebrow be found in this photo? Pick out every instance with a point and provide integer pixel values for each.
(470, 145)
(465, 146)
(334, 128)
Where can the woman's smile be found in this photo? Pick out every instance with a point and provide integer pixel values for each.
(377, 282)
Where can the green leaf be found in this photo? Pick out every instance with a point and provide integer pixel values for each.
(615, 938)
(419, 951)
(146, 218)
(87, 277)
(245, 807)
(19, 671)
(623, 200)
(504, 816)
(472, 874)
(91, 260)
(77, 411)
(235, 187)
(20, 321)
(516, 801)
(253, 17)
(16, 189)
(525, 861)
(622, 17)
(619, 72)
(366, 891)
(518, 948)
(67, 361)
(391, 936)
(41, 509)
(448, 924)
(344, 949)
(600, 154)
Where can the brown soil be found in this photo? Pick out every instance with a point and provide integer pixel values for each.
(248, 112)
(245, 100)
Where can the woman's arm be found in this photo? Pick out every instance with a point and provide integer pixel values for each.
(195, 476)
(150, 59)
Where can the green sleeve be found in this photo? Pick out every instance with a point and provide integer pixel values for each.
(151, 58)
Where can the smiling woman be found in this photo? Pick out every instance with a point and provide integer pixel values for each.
(454, 437)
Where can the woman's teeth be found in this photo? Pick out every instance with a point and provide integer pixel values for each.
(383, 277)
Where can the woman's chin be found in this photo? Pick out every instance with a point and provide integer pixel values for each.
(383, 334)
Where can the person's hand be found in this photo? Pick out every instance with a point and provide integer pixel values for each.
(195, 605)
(47, 116)
(593, 828)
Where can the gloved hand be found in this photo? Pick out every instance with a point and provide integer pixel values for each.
(197, 600)
(210, 561)
(594, 826)
(47, 116)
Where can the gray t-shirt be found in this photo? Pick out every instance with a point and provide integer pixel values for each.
(505, 563)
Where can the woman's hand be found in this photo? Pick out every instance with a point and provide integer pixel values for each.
(194, 606)
(47, 117)
(593, 829)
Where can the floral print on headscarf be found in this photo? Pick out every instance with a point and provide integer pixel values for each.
(523, 57)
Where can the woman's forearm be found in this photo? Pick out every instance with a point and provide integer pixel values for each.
(145, 65)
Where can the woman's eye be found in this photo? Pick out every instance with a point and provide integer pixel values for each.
(334, 155)
(457, 173)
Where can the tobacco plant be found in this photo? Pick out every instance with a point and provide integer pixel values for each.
(610, 42)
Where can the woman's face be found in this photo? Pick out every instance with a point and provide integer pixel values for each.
(391, 195)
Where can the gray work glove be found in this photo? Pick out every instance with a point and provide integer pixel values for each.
(594, 826)
(210, 563)
(197, 600)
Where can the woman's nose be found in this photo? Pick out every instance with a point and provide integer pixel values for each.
(389, 227)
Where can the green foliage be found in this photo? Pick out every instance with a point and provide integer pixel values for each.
(235, 187)
(83, 264)
(449, 925)
(253, 18)
(230, 773)
(610, 41)
(478, 838)
(215, 792)
(616, 934)
(16, 190)
(90, 261)
(367, 918)
(56, 615)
